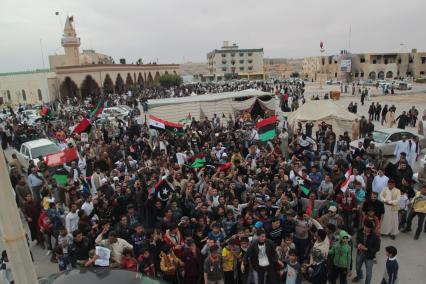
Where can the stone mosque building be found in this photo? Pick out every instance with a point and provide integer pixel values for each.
(77, 74)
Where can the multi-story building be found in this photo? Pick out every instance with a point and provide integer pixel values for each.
(232, 62)
(362, 66)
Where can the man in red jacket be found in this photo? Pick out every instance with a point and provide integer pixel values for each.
(347, 204)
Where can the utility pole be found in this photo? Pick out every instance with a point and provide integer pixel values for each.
(12, 231)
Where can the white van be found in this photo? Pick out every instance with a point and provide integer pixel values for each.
(32, 150)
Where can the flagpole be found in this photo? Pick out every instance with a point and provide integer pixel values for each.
(13, 233)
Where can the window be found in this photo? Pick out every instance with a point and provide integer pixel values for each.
(362, 75)
(241, 54)
(233, 62)
(422, 73)
(250, 68)
(410, 60)
(249, 54)
(250, 61)
(24, 95)
(223, 55)
(330, 60)
(323, 61)
(362, 60)
(335, 62)
(223, 69)
(241, 61)
(356, 74)
(232, 54)
(395, 137)
(8, 95)
(335, 74)
(399, 60)
(386, 61)
(241, 68)
(40, 97)
(223, 61)
(423, 60)
(374, 61)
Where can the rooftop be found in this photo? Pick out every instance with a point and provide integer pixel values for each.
(26, 72)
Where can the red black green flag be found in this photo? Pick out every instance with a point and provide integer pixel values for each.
(266, 128)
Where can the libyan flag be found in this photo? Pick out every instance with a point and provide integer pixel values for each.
(198, 163)
(162, 188)
(98, 109)
(266, 128)
(83, 126)
(159, 124)
(60, 158)
(186, 119)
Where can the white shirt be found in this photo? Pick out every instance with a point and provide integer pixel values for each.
(71, 221)
(263, 258)
(402, 146)
(87, 208)
(379, 182)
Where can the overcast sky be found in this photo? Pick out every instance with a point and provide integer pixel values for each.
(185, 30)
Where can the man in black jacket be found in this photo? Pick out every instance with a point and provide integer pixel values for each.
(368, 244)
(263, 258)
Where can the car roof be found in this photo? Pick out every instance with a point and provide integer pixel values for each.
(394, 130)
(38, 143)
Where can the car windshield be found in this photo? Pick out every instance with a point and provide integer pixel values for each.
(44, 150)
(380, 137)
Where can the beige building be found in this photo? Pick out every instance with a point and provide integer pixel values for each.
(232, 62)
(78, 74)
(366, 66)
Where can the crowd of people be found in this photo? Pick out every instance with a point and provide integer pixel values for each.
(217, 205)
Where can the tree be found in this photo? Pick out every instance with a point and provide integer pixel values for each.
(170, 80)
(295, 75)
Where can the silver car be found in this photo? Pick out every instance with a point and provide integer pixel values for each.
(386, 139)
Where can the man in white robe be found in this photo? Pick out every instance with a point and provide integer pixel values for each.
(380, 181)
(402, 146)
(390, 196)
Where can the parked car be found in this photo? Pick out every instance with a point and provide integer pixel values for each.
(386, 139)
(114, 112)
(34, 149)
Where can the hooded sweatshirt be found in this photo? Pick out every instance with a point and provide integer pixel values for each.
(341, 253)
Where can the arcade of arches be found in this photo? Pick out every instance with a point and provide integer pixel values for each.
(78, 82)
(90, 87)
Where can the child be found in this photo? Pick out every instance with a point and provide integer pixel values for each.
(316, 272)
(293, 269)
(373, 218)
(62, 259)
(391, 272)
(128, 261)
(146, 264)
(404, 201)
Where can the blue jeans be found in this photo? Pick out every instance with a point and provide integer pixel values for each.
(360, 259)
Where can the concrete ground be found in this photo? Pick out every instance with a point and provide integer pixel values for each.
(411, 254)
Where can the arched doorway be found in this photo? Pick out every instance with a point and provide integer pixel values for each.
(89, 87)
(381, 75)
(140, 80)
(119, 84)
(166, 73)
(68, 88)
(372, 75)
(108, 85)
(157, 78)
(174, 72)
(389, 75)
(149, 80)
(129, 81)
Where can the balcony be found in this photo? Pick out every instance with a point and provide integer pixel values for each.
(70, 41)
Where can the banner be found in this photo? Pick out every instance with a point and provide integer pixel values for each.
(346, 65)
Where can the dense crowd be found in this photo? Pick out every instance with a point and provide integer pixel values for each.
(217, 205)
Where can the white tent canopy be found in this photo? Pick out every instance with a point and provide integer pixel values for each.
(174, 109)
(323, 110)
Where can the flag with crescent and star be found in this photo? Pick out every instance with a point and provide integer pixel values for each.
(162, 189)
